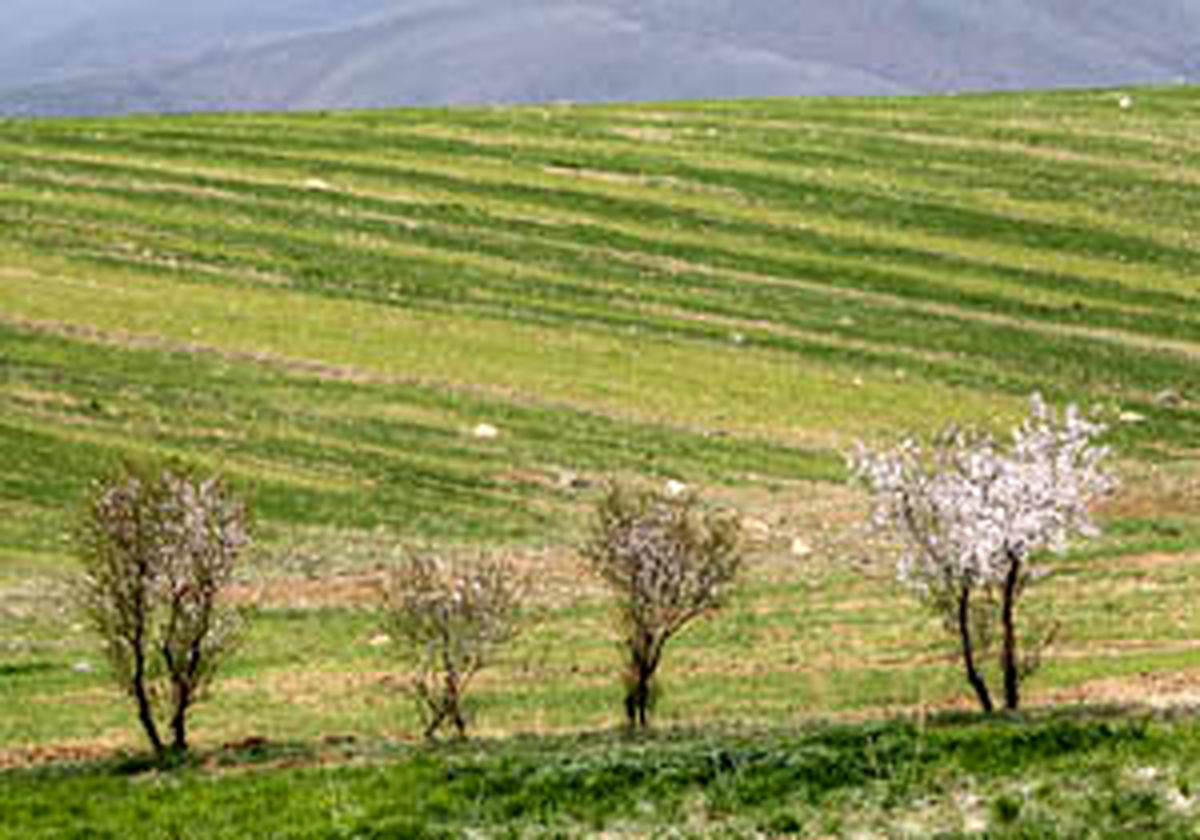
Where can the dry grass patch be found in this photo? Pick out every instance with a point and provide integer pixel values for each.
(1154, 561)
(293, 592)
(1150, 492)
(645, 133)
(67, 752)
(1175, 689)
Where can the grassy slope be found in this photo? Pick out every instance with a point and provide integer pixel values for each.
(727, 293)
(791, 273)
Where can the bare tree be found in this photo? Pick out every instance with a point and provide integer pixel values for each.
(157, 545)
(972, 517)
(667, 562)
(450, 618)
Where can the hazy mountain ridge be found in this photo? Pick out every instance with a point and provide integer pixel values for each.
(109, 56)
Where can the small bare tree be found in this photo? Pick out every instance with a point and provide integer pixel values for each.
(971, 517)
(667, 562)
(157, 545)
(450, 618)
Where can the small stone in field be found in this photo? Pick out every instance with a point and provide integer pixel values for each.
(486, 431)
(800, 548)
(572, 481)
(675, 488)
(756, 530)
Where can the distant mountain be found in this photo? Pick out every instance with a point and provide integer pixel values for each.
(114, 56)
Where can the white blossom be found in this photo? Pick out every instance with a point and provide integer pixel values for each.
(967, 508)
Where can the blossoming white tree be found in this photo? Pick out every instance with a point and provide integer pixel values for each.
(157, 546)
(972, 515)
(668, 563)
(450, 618)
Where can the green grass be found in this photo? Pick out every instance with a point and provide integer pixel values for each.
(326, 306)
(1083, 775)
(792, 274)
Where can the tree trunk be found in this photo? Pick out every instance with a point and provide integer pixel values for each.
(437, 714)
(1008, 653)
(643, 663)
(637, 696)
(453, 705)
(146, 715)
(631, 704)
(183, 699)
(145, 709)
(137, 644)
(968, 651)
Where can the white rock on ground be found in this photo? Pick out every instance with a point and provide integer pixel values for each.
(675, 489)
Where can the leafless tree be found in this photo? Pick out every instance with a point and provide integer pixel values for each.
(158, 545)
(972, 518)
(668, 562)
(450, 617)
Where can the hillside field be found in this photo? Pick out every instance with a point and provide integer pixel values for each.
(333, 307)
